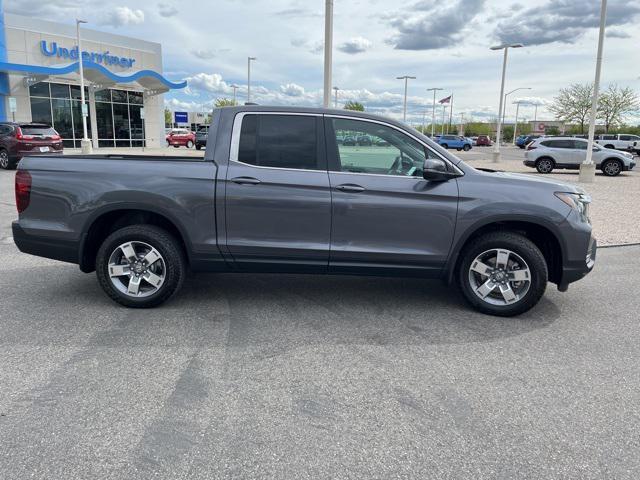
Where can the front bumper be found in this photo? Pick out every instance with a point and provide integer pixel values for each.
(575, 270)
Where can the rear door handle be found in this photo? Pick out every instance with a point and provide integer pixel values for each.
(350, 187)
(246, 181)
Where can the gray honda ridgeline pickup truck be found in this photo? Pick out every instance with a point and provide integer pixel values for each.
(279, 190)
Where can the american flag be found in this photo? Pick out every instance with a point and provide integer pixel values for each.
(445, 100)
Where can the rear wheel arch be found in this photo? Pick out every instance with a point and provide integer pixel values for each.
(105, 223)
(541, 235)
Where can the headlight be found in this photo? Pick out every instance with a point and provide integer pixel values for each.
(578, 201)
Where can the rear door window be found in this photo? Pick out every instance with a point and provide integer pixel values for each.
(37, 130)
(626, 138)
(279, 141)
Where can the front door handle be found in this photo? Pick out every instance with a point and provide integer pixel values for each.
(350, 187)
(245, 181)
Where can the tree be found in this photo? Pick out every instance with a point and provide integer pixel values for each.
(614, 103)
(354, 106)
(573, 104)
(167, 117)
(224, 102)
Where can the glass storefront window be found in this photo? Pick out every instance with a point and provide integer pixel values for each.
(117, 114)
(118, 96)
(59, 90)
(75, 92)
(62, 119)
(39, 90)
(104, 118)
(103, 96)
(136, 98)
(41, 110)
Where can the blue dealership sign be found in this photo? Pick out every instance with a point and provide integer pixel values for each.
(181, 117)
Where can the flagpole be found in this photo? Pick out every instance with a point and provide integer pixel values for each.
(444, 111)
(450, 113)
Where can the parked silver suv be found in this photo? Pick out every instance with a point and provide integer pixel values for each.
(547, 153)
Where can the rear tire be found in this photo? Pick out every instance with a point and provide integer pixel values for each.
(545, 165)
(524, 260)
(444, 145)
(611, 167)
(156, 281)
(189, 144)
(198, 147)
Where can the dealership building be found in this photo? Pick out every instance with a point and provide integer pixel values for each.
(124, 82)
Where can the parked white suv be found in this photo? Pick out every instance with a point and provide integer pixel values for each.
(545, 154)
(620, 141)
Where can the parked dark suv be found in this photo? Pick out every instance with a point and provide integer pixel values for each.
(20, 139)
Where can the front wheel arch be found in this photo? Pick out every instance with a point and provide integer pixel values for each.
(541, 235)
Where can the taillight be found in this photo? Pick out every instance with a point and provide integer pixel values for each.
(55, 137)
(20, 136)
(23, 190)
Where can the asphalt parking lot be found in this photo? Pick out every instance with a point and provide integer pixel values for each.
(288, 376)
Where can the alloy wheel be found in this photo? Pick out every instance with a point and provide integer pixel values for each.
(499, 277)
(612, 168)
(137, 269)
(545, 166)
(4, 160)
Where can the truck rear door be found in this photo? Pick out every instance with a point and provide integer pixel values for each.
(278, 200)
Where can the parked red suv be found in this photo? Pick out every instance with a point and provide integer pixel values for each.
(483, 141)
(181, 137)
(18, 140)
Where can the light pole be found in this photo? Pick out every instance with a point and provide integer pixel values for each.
(433, 107)
(588, 168)
(504, 111)
(515, 125)
(335, 99)
(535, 114)
(235, 88)
(505, 47)
(328, 50)
(85, 144)
(249, 59)
(406, 80)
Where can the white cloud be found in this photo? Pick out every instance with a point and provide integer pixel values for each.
(355, 45)
(292, 90)
(166, 10)
(122, 16)
(208, 82)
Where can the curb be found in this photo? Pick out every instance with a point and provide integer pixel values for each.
(635, 244)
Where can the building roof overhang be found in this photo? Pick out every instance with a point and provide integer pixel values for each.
(150, 81)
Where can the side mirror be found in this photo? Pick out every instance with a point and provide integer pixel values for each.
(436, 170)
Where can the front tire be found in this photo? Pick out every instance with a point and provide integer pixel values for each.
(189, 144)
(140, 266)
(502, 273)
(198, 146)
(466, 148)
(611, 168)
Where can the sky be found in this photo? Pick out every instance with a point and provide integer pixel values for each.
(442, 44)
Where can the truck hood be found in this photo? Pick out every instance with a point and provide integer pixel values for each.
(531, 179)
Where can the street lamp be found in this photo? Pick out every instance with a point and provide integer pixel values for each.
(85, 144)
(515, 125)
(328, 49)
(588, 168)
(406, 79)
(504, 111)
(249, 59)
(335, 100)
(505, 47)
(433, 107)
(235, 88)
